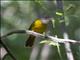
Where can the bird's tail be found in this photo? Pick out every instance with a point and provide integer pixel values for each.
(30, 41)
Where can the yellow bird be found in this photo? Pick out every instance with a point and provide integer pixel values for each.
(39, 26)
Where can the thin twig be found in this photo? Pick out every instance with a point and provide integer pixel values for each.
(13, 32)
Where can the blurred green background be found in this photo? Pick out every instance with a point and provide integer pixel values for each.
(20, 14)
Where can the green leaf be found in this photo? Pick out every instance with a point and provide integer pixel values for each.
(49, 42)
(59, 13)
(45, 41)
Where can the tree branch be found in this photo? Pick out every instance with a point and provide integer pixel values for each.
(55, 39)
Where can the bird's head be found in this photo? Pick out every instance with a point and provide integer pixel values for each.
(46, 19)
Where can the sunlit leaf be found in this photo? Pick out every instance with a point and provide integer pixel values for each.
(49, 42)
(59, 13)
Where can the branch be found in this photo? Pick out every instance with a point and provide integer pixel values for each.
(55, 39)
(13, 32)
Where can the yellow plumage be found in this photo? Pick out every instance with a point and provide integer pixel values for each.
(38, 26)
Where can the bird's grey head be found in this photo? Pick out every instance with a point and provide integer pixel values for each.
(46, 20)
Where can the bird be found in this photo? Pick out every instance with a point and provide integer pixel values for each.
(39, 25)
